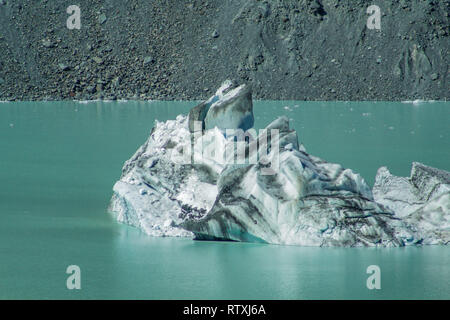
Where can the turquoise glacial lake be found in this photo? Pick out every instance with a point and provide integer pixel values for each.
(59, 161)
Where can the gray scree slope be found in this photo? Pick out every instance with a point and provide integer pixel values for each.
(302, 49)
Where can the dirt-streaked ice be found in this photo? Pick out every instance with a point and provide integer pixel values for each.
(422, 200)
(183, 182)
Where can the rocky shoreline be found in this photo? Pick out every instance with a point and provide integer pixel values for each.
(182, 50)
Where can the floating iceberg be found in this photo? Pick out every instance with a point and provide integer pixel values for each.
(421, 200)
(211, 176)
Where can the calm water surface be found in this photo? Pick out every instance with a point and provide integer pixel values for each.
(59, 161)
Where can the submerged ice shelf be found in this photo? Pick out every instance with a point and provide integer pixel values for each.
(211, 176)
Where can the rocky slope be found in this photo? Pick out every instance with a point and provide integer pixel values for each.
(290, 49)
